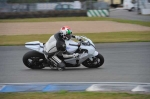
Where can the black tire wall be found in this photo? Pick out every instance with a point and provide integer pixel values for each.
(42, 14)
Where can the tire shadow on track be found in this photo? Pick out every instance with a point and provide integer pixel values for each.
(67, 69)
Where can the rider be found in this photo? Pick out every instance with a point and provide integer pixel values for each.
(56, 43)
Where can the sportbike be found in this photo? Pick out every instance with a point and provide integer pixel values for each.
(88, 56)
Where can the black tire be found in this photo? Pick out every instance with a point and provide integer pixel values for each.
(90, 64)
(33, 60)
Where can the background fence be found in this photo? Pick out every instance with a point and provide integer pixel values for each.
(49, 8)
(44, 5)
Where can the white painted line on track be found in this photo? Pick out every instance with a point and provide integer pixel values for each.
(138, 83)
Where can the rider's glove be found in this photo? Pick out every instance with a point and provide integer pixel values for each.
(75, 55)
(78, 38)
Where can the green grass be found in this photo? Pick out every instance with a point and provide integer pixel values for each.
(95, 37)
(73, 95)
(75, 19)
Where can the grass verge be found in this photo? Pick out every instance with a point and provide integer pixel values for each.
(111, 37)
(73, 95)
(75, 19)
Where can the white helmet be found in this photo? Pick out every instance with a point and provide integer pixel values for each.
(66, 33)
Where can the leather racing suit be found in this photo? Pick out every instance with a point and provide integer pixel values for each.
(57, 44)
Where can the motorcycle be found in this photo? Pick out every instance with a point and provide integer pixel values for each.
(88, 56)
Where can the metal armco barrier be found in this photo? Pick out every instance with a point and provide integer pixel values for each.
(98, 13)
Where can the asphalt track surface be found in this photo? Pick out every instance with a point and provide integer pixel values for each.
(124, 62)
(125, 14)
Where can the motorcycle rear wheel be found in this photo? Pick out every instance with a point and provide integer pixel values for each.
(33, 60)
(99, 60)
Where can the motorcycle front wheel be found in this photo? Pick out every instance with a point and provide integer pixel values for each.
(33, 60)
(95, 63)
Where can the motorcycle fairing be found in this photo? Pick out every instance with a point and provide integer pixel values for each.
(35, 45)
(71, 46)
(82, 57)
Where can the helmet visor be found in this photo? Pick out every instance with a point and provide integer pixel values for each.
(69, 34)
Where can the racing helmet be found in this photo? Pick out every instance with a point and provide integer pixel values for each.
(66, 32)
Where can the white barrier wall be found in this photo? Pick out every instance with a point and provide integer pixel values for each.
(145, 11)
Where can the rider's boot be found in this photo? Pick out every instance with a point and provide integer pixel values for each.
(60, 63)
